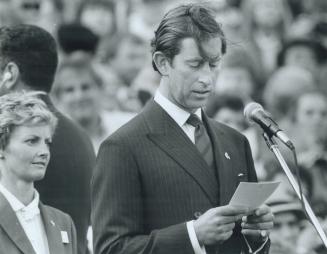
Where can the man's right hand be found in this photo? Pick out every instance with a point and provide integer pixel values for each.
(216, 225)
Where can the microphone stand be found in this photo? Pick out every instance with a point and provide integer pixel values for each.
(271, 143)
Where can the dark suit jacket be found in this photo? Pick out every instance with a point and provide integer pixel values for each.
(150, 180)
(13, 239)
(66, 185)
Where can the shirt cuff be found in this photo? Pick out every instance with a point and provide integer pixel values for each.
(194, 240)
(260, 247)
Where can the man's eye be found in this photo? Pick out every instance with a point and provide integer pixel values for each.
(195, 65)
(86, 87)
(31, 141)
(214, 64)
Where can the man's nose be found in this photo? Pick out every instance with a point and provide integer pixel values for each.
(207, 75)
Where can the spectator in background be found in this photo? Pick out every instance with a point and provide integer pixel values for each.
(99, 17)
(309, 126)
(28, 61)
(241, 47)
(123, 56)
(74, 37)
(236, 80)
(268, 24)
(79, 93)
(27, 225)
(304, 53)
(43, 13)
(283, 87)
(146, 15)
(285, 191)
(289, 221)
(227, 109)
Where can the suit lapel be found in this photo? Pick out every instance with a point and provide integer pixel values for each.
(166, 134)
(52, 231)
(223, 151)
(9, 222)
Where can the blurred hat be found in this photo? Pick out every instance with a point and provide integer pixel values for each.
(284, 206)
(318, 49)
(76, 37)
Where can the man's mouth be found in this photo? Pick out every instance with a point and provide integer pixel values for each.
(40, 163)
(202, 92)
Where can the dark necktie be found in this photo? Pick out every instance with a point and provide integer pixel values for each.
(202, 140)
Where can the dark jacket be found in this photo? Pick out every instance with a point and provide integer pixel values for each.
(66, 185)
(150, 180)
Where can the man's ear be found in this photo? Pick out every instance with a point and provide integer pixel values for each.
(10, 76)
(162, 63)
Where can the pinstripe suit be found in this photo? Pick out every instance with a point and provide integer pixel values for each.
(150, 179)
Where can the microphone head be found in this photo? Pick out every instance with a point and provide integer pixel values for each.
(250, 110)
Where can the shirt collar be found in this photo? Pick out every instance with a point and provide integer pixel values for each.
(179, 115)
(16, 204)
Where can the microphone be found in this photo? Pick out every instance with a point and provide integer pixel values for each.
(254, 113)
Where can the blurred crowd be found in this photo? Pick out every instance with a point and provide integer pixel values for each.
(276, 56)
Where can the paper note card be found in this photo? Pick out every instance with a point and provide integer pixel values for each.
(252, 195)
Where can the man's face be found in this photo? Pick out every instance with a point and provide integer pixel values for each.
(193, 73)
(79, 94)
(286, 226)
(129, 60)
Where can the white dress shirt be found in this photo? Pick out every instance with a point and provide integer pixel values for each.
(180, 116)
(30, 219)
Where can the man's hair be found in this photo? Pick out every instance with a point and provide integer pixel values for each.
(186, 21)
(23, 108)
(34, 51)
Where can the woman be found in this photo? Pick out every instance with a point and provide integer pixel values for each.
(27, 225)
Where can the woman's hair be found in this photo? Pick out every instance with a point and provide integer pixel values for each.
(23, 108)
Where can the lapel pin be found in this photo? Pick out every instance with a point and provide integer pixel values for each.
(52, 223)
(227, 156)
(64, 237)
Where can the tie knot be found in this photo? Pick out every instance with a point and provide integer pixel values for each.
(194, 120)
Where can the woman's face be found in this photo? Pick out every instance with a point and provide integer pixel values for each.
(26, 156)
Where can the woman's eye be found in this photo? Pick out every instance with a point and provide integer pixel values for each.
(48, 142)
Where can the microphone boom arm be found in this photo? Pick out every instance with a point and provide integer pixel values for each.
(313, 218)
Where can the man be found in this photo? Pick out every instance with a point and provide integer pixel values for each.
(159, 185)
(28, 61)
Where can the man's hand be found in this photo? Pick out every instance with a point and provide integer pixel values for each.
(258, 224)
(216, 225)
